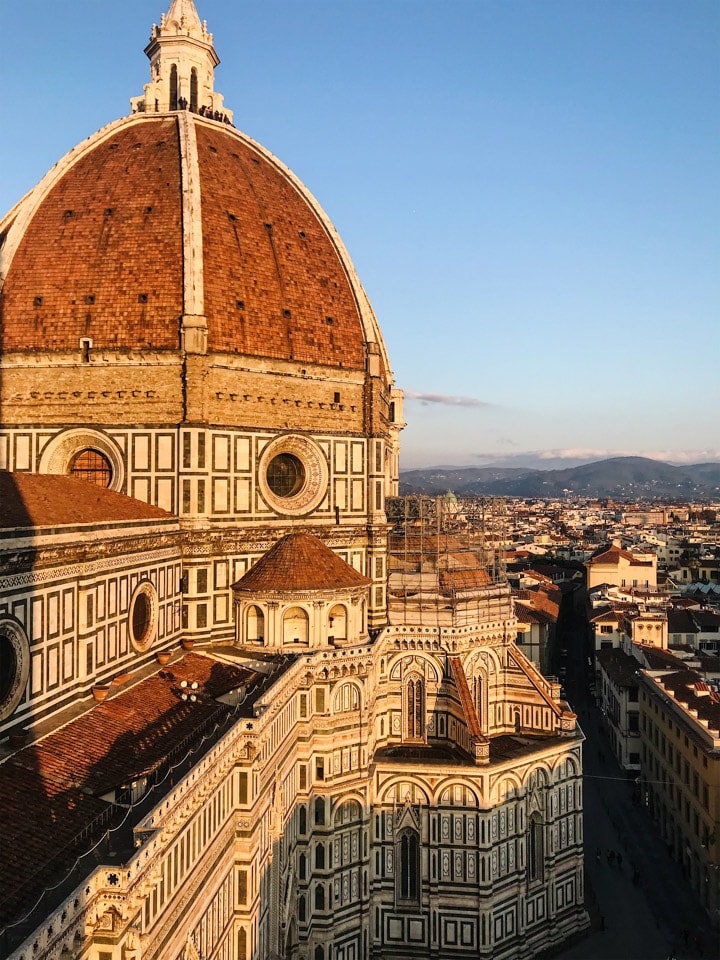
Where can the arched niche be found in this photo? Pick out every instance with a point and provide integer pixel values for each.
(295, 626)
(254, 624)
(337, 623)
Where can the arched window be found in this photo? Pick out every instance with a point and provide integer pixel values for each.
(93, 466)
(302, 866)
(414, 708)
(536, 848)
(173, 87)
(320, 812)
(319, 953)
(320, 856)
(319, 897)
(409, 874)
(347, 698)
(302, 821)
(478, 698)
(301, 909)
(193, 90)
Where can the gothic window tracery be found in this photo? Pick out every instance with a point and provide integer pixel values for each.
(414, 708)
(408, 888)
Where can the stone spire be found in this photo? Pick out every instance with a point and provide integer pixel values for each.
(182, 66)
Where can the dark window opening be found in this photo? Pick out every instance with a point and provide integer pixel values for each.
(8, 668)
(173, 87)
(409, 866)
(193, 90)
(285, 475)
(141, 619)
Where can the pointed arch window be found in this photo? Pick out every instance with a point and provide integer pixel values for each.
(173, 87)
(414, 708)
(193, 90)
(408, 879)
(536, 848)
(478, 698)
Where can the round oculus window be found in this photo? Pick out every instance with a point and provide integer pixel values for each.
(93, 466)
(142, 620)
(293, 475)
(8, 666)
(87, 454)
(14, 666)
(285, 475)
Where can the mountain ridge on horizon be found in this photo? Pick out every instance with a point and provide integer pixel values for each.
(619, 477)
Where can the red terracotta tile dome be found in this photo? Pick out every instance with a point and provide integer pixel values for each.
(299, 562)
(160, 217)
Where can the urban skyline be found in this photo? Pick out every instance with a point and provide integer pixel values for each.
(531, 182)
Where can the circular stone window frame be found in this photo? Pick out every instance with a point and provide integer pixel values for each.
(13, 631)
(59, 454)
(145, 589)
(315, 486)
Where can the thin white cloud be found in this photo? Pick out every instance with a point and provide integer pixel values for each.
(669, 456)
(589, 454)
(446, 399)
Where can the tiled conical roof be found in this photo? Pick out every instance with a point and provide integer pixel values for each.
(300, 562)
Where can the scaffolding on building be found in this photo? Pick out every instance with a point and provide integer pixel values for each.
(446, 559)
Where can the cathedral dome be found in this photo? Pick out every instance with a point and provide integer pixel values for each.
(170, 229)
(161, 223)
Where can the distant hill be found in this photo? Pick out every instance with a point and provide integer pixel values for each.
(618, 477)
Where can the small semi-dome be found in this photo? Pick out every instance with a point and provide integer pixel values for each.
(299, 562)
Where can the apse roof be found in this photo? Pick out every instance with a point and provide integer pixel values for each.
(52, 792)
(300, 562)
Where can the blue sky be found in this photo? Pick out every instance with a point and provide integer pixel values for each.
(530, 192)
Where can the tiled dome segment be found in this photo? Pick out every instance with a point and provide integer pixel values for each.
(275, 285)
(102, 256)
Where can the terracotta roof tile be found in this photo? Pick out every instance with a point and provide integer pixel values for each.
(104, 262)
(300, 561)
(48, 500)
(52, 790)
